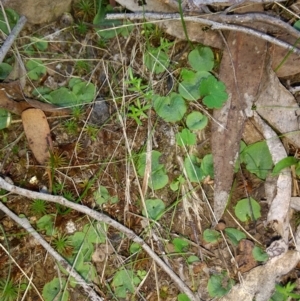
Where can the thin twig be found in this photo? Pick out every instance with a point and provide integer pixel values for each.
(101, 218)
(213, 26)
(12, 36)
(23, 222)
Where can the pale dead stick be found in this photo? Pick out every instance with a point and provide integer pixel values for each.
(97, 216)
(213, 26)
(12, 36)
(23, 222)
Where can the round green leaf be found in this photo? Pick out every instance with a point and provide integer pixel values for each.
(170, 108)
(189, 87)
(85, 92)
(155, 207)
(180, 244)
(158, 180)
(297, 25)
(211, 235)
(134, 248)
(196, 121)
(219, 285)
(235, 235)
(258, 159)
(259, 254)
(36, 69)
(63, 97)
(193, 169)
(5, 119)
(12, 18)
(192, 259)
(201, 59)
(55, 289)
(213, 92)
(185, 137)
(183, 297)
(5, 70)
(156, 60)
(207, 165)
(243, 210)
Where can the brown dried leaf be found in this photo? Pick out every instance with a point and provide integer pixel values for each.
(274, 102)
(245, 259)
(260, 282)
(150, 6)
(241, 70)
(37, 131)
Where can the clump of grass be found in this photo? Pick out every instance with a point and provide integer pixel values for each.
(82, 67)
(39, 207)
(81, 28)
(8, 290)
(71, 126)
(62, 244)
(56, 160)
(85, 10)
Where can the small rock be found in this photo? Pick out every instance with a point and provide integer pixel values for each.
(100, 112)
(44, 11)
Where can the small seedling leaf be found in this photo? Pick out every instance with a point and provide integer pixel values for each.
(243, 210)
(123, 283)
(258, 159)
(85, 92)
(5, 119)
(183, 297)
(38, 134)
(36, 69)
(193, 258)
(185, 137)
(211, 236)
(193, 169)
(63, 97)
(259, 254)
(12, 18)
(134, 248)
(101, 196)
(297, 25)
(170, 108)
(196, 121)
(39, 43)
(189, 87)
(54, 290)
(158, 180)
(174, 185)
(5, 70)
(155, 165)
(219, 285)
(283, 163)
(235, 235)
(156, 60)
(207, 166)
(155, 208)
(180, 244)
(95, 233)
(213, 92)
(45, 223)
(201, 59)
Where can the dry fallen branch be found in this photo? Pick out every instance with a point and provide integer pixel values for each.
(23, 222)
(101, 218)
(212, 24)
(10, 39)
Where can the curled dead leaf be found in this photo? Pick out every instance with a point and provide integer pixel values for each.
(37, 131)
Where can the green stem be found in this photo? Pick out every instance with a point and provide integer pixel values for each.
(184, 25)
(287, 55)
